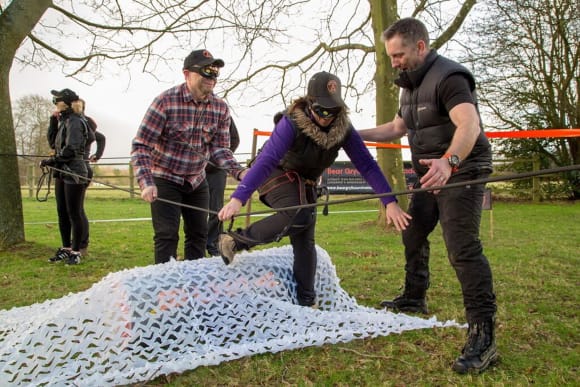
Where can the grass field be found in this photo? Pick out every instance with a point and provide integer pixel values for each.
(533, 250)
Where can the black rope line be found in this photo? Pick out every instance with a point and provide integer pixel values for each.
(132, 191)
(326, 203)
(516, 176)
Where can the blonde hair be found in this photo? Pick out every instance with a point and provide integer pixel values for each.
(78, 106)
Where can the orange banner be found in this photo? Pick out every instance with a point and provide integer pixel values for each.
(540, 133)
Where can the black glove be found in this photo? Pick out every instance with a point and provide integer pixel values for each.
(48, 162)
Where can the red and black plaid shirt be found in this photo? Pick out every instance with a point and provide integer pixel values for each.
(178, 135)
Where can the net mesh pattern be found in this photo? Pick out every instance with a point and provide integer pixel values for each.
(137, 324)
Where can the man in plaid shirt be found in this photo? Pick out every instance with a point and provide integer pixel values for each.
(183, 128)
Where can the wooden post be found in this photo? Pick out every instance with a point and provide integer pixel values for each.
(131, 182)
(487, 206)
(536, 194)
(253, 154)
(30, 181)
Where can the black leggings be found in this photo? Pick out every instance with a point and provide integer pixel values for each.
(299, 225)
(71, 215)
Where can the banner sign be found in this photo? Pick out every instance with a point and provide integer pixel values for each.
(343, 178)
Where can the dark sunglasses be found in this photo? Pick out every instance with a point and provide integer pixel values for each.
(210, 72)
(56, 100)
(325, 113)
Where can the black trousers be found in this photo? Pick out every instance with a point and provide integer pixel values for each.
(216, 181)
(70, 210)
(86, 226)
(459, 212)
(166, 219)
(299, 225)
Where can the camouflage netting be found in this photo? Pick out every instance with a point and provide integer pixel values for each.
(137, 324)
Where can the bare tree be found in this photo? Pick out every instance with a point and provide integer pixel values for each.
(83, 36)
(31, 118)
(528, 61)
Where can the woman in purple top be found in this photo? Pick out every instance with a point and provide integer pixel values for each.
(305, 141)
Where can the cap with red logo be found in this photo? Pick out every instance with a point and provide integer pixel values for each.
(325, 89)
(201, 58)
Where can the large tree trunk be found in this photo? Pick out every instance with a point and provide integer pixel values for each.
(384, 13)
(11, 219)
(16, 21)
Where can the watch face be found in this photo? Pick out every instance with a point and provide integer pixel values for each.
(454, 160)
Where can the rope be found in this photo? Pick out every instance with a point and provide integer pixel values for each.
(45, 172)
(131, 191)
(326, 203)
(515, 176)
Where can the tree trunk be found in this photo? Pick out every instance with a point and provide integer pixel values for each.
(383, 14)
(16, 22)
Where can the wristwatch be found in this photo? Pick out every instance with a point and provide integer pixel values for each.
(453, 160)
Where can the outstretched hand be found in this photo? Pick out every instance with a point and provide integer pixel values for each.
(230, 209)
(397, 217)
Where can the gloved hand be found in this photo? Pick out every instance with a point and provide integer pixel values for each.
(51, 162)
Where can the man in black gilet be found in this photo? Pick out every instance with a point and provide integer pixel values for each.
(438, 112)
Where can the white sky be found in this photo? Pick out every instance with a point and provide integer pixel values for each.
(118, 108)
(118, 104)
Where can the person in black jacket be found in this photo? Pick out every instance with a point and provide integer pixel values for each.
(438, 111)
(67, 135)
(216, 180)
(100, 139)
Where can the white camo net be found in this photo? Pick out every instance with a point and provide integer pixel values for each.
(138, 324)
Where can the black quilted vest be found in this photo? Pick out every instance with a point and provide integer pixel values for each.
(430, 129)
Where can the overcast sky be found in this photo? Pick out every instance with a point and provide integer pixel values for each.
(118, 103)
(118, 108)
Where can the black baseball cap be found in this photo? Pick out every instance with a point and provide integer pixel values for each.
(201, 58)
(325, 89)
(66, 95)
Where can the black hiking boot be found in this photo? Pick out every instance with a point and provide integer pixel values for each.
(408, 305)
(479, 352)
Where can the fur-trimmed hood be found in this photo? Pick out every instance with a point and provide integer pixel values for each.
(326, 138)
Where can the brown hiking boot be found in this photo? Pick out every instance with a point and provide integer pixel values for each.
(227, 248)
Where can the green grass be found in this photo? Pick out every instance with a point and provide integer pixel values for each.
(533, 251)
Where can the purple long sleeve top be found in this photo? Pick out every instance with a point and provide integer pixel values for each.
(281, 141)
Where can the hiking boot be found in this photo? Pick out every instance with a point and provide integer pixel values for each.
(60, 255)
(213, 252)
(74, 258)
(479, 351)
(409, 305)
(227, 248)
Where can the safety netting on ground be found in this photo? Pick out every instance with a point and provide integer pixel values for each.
(137, 324)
